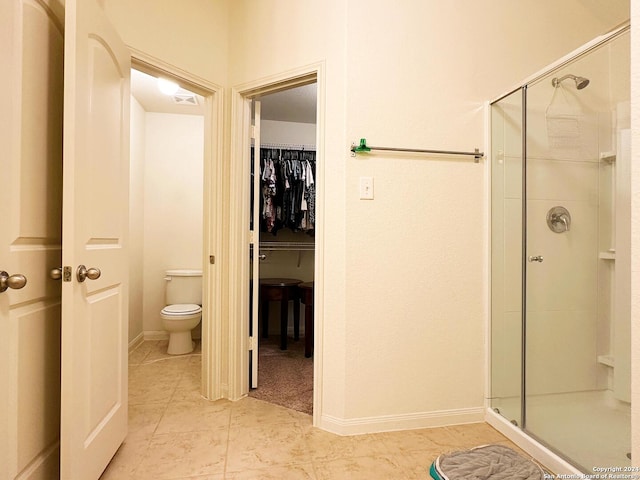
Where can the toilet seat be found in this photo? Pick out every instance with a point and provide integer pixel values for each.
(181, 310)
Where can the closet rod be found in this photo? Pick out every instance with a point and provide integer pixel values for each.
(288, 146)
(363, 147)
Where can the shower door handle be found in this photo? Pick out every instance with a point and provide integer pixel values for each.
(536, 258)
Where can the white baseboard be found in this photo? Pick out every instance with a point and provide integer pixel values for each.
(136, 342)
(156, 335)
(539, 452)
(390, 423)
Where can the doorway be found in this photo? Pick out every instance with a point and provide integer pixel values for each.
(195, 110)
(242, 241)
(283, 189)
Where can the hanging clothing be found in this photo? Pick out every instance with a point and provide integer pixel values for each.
(268, 183)
(287, 190)
(308, 206)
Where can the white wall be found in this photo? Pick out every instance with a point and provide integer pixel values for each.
(173, 188)
(136, 218)
(289, 133)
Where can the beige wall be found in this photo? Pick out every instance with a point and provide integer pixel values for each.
(172, 204)
(165, 209)
(189, 34)
(136, 218)
(420, 244)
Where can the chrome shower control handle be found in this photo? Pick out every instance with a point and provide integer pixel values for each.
(559, 219)
(536, 258)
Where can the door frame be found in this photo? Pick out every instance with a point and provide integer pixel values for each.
(239, 206)
(212, 385)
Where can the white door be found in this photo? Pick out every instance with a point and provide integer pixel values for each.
(94, 232)
(255, 245)
(31, 55)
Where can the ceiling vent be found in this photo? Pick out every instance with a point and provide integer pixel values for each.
(185, 99)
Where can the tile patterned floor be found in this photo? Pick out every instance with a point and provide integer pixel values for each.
(174, 434)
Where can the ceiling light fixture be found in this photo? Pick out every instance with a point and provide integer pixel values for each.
(167, 86)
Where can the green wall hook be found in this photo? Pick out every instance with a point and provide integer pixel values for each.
(362, 147)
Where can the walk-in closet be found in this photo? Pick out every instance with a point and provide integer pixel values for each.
(283, 198)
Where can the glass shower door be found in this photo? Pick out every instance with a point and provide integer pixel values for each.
(575, 238)
(506, 257)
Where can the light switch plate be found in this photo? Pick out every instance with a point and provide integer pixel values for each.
(366, 188)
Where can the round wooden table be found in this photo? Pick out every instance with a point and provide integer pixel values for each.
(280, 290)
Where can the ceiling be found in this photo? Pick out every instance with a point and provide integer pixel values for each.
(293, 105)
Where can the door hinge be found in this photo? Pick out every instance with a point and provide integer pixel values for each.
(253, 343)
(66, 274)
(212, 259)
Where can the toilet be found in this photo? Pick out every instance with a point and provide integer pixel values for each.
(183, 296)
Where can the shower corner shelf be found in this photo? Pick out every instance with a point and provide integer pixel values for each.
(607, 255)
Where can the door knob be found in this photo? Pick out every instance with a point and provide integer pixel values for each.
(536, 258)
(56, 273)
(91, 273)
(16, 281)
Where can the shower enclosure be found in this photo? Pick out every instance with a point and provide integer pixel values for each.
(560, 256)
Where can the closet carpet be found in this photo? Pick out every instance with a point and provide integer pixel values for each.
(285, 377)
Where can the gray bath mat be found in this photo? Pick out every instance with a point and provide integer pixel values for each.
(495, 462)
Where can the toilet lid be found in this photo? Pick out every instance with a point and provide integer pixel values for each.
(182, 309)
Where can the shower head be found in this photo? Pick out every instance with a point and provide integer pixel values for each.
(581, 82)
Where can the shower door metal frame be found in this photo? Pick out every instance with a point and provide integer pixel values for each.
(523, 304)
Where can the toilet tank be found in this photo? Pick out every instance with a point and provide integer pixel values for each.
(183, 286)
